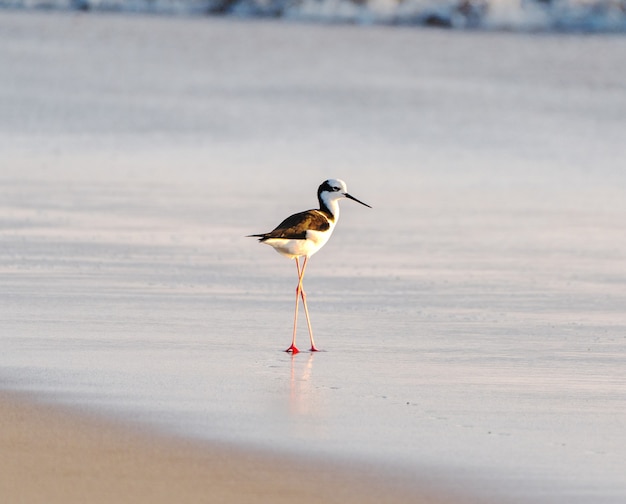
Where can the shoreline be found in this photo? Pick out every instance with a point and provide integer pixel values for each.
(54, 454)
(473, 321)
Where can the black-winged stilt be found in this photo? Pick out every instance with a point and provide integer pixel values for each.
(303, 234)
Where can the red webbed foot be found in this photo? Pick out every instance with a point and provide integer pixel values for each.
(293, 349)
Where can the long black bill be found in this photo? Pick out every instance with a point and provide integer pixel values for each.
(354, 199)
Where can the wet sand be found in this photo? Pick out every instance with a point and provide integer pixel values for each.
(52, 455)
(472, 321)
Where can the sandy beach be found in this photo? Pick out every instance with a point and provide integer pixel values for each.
(55, 456)
(472, 322)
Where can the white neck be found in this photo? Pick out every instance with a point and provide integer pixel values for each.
(331, 204)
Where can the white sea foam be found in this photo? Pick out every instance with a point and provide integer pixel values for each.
(524, 15)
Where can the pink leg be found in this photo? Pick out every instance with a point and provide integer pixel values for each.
(293, 348)
(306, 309)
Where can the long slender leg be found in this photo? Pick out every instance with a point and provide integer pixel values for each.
(293, 348)
(306, 309)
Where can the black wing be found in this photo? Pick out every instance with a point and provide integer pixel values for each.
(295, 226)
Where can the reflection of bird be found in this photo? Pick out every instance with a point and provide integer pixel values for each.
(303, 234)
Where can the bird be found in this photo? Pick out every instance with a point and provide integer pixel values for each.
(302, 234)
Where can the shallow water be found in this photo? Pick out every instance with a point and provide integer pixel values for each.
(472, 322)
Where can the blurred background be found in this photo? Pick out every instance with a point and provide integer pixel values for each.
(562, 15)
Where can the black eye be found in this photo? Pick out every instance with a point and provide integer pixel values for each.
(335, 189)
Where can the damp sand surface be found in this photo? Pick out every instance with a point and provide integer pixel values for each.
(472, 322)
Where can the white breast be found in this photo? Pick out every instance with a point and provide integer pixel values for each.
(315, 240)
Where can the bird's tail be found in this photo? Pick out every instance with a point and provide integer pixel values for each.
(261, 237)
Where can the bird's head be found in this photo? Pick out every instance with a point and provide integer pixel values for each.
(334, 189)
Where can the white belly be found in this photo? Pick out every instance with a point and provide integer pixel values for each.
(315, 240)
